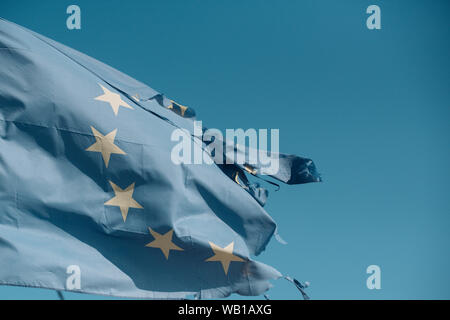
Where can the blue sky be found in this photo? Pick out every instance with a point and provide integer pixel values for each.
(371, 107)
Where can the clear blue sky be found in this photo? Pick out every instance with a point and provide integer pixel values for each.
(372, 108)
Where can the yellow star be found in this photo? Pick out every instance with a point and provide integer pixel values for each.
(163, 242)
(123, 199)
(182, 108)
(105, 145)
(113, 99)
(224, 255)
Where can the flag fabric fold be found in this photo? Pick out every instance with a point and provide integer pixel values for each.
(86, 180)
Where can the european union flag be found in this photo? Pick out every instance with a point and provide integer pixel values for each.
(89, 197)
